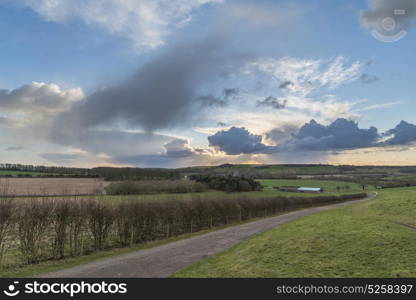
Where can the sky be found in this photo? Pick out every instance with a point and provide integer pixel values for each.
(176, 83)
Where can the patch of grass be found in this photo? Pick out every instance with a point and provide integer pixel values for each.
(360, 240)
(326, 185)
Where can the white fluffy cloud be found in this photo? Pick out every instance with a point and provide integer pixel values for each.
(145, 22)
(37, 100)
(39, 96)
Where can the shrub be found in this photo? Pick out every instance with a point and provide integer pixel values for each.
(76, 225)
(53, 229)
(7, 210)
(33, 221)
(154, 186)
(229, 183)
(100, 218)
(60, 223)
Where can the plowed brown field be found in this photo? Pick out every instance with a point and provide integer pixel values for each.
(51, 186)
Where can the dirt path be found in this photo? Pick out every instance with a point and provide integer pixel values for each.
(163, 261)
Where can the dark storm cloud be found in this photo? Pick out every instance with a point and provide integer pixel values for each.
(340, 134)
(60, 158)
(368, 78)
(218, 101)
(402, 11)
(404, 133)
(14, 148)
(283, 133)
(212, 101)
(114, 143)
(236, 141)
(285, 84)
(161, 94)
(177, 153)
(4, 121)
(273, 102)
(145, 161)
(230, 92)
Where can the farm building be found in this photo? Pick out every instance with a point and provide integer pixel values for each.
(287, 188)
(310, 190)
(299, 189)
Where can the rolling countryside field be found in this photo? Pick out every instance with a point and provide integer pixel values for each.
(171, 207)
(52, 186)
(94, 187)
(370, 239)
(50, 196)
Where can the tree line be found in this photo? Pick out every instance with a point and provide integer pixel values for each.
(106, 173)
(228, 183)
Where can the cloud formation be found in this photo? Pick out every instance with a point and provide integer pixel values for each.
(230, 92)
(340, 134)
(162, 94)
(61, 158)
(404, 133)
(368, 78)
(178, 148)
(14, 148)
(301, 77)
(282, 134)
(39, 97)
(236, 141)
(285, 84)
(273, 102)
(211, 100)
(33, 105)
(146, 23)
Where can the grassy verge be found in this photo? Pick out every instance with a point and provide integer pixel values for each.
(51, 266)
(369, 239)
(55, 265)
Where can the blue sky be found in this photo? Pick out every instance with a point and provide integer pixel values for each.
(72, 80)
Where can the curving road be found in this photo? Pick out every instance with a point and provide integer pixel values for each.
(163, 261)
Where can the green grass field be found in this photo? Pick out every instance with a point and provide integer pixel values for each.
(370, 239)
(12, 257)
(268, 191)
(281, 170)
(328, 186)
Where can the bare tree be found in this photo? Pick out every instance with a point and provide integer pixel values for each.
(7, 210)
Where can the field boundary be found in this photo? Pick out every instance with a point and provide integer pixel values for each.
(165, 260)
